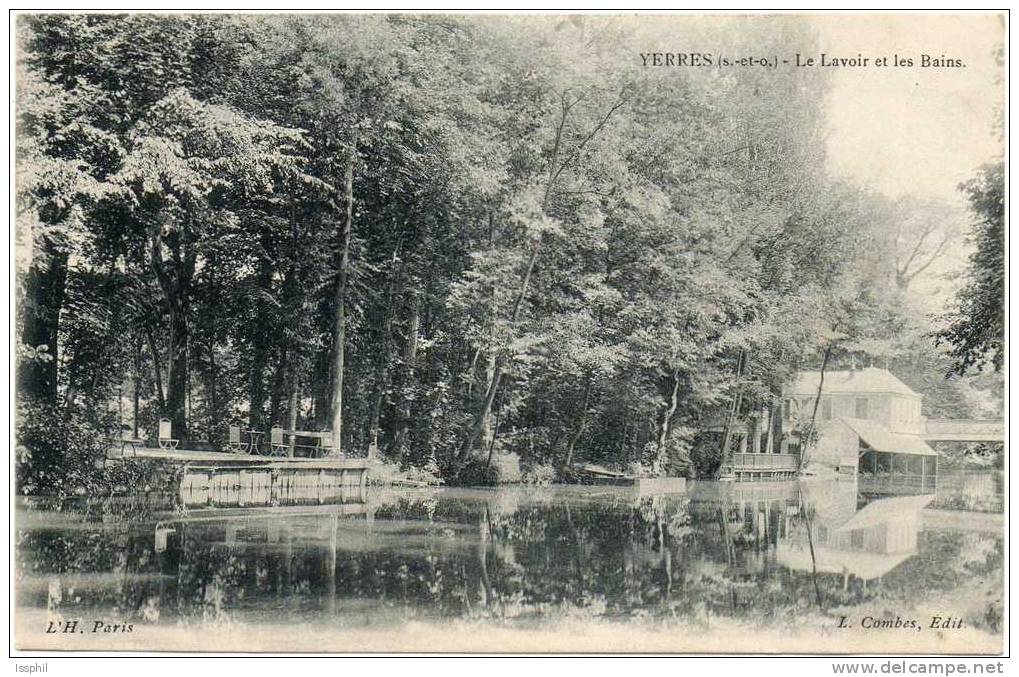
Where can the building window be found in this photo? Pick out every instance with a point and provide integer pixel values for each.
(826, 410)
(861, 407)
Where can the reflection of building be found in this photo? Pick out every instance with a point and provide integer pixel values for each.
(867, 543)
(867, 421)
(812, 526)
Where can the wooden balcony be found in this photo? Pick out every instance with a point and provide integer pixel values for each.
(766, 461)
(763, 466)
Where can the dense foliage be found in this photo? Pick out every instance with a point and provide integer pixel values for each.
(976, 334)
(450, 238)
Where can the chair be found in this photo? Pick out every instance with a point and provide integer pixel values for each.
(276, 445)
(234, 443)
(166, 440)
(327, 445)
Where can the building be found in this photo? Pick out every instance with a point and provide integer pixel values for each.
(868, 422)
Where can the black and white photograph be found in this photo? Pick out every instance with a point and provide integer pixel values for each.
(517, 333)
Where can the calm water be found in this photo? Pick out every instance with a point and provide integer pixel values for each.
(778, 557)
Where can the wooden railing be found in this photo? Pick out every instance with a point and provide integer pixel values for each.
(765, 462)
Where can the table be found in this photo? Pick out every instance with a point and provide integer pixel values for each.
(321, 439)
(125, 442)
(255, 440)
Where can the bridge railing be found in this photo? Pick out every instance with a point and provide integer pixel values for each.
(988, 426)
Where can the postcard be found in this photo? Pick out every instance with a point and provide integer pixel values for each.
(544, 333)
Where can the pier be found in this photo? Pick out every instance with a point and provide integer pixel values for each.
(212, 479)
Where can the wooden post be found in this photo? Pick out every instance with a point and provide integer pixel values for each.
(334, 526)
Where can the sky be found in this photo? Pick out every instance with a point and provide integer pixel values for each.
(913, 130)
(893, 130)
(919, 131)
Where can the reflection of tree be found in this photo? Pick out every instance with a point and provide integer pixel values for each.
(813, 556)
(488, 556)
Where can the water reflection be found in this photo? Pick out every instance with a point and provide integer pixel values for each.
(757, 552)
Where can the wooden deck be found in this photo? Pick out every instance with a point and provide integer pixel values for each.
(196, 458)
(219, 480)
(762, 466)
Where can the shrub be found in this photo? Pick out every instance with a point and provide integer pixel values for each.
(58, 449)
(476, 471)
(540, 474)
(61, 452)
(508, 466)
(390, 472)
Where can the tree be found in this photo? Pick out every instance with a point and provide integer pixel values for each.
(976, 331)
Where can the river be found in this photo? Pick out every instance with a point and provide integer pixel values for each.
(745, 567)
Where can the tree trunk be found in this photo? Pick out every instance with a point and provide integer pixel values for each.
(495, 427)
(157, 370)
(135, 381)
(44, 296)
(500, 362)
(666, 426)
(811, 431)
(214, 413)
(486, 424)
(260, 351)
(580, 427)
(773, 426)
(176, 393)
(410, 366)
(176, 287)
(737, 399)
(382, 375)
(292, 414)
(278, 388)
(341, 300)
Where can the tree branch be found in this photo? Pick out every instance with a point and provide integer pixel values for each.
(934, 257)
(572, 157)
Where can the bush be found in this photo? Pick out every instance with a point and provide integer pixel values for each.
(539, 474)
(61, 452)
(705, 455)
(57, 449)
(389, 472)
(474, 472)
(508, 466)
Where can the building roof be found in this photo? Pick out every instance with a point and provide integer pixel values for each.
(880, 438)
(886, 510)
(865, 565)
(869, 380)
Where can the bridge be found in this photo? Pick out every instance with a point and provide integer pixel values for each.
(959, 430)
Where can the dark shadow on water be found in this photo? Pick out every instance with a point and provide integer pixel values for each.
(760, 553)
